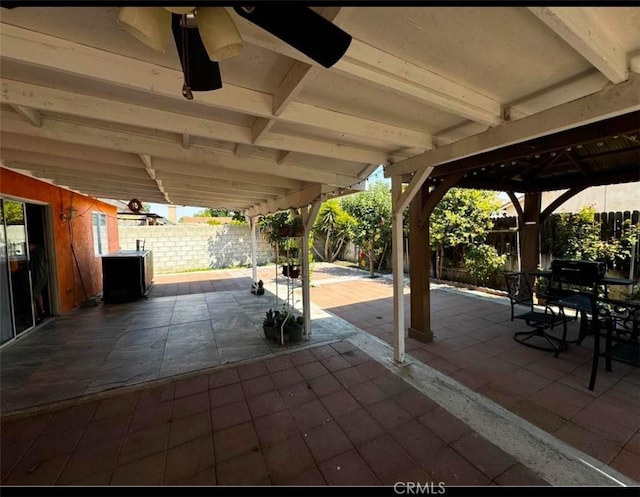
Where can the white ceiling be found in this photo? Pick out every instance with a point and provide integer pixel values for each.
(87, 106)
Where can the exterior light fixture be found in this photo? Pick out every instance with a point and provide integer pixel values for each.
(218, 32)
(150, 25)
(180, 10)
(200, 72)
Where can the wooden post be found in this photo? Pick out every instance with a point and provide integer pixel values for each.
(398, 270)
(253, 223)
(309, 219)
(531, 232)
(419, 270)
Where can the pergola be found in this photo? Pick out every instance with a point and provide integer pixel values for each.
(429, 92)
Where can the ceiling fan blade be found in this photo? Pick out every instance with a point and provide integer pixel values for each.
(200, 72)
(302, 28)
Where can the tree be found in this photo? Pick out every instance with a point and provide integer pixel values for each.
(210, 212)
(371, 210)
(335, 226)
(146, 207)
(239, 218)
(577, 236)
(461, 218)
(13, 212)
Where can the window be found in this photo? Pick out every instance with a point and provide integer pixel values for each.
(100, 237)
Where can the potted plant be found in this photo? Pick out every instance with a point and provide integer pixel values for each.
(294, 327)
(270, 324)
(294, 271)
(296, 226)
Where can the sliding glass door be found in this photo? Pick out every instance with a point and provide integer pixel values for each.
(17, 270)
(6, 316)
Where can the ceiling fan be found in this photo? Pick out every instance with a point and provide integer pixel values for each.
(205, 36)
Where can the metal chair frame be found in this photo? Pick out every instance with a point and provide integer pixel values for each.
(539, 317)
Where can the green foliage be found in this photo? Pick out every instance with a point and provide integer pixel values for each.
(462, 216)
(271, 225)
(462, 219)
(371, 210)
(13, 212)
(209, 212)
(335, 227)
(146, 207)
(483, 261)
(214, 222)
(577, 236)
(239, 219)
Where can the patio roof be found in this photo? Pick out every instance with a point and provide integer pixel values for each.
(87, 106)
(602, 153)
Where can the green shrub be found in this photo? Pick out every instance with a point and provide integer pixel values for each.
(483, 261)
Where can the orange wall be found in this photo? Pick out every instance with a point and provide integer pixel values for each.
(78, 231)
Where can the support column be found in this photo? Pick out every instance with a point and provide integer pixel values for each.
(309, 219)
(420, 269)
(398, 270)
(253, 223)
(530, 241)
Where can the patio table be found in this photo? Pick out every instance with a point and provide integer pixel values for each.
(584, 302)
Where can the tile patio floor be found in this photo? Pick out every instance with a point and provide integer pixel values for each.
(328, 405)
(326, 415)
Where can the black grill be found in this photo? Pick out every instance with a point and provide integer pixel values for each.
(578, 272)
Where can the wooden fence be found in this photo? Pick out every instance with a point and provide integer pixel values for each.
(505, 238)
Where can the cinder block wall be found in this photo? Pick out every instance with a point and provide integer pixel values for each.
(191, 247)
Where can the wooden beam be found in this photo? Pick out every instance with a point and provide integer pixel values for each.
(516, 206)
(367, 63)
(195, 182)
(414, 187)
(291, 85)
(106, 179)
(85, 106)
(197, 172)
(211, 193)
(618, 100)
(40, 50)
(538, 169)
(305, 196)
(70, 151)
(243, 150)
(589, 36)
(572, 192)
(260, 128)
(282, 157)
(126, 142)
(436, 195)
(578, 86)
(300, 113)
(44, 161)
(310, 214)
(29, 114)
(119, 194)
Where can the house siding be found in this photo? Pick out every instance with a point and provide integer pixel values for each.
(72, 281)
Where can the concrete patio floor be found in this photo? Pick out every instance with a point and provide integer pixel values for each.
(333, 402)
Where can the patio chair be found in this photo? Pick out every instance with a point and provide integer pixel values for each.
(539, 317)
(619, 322)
